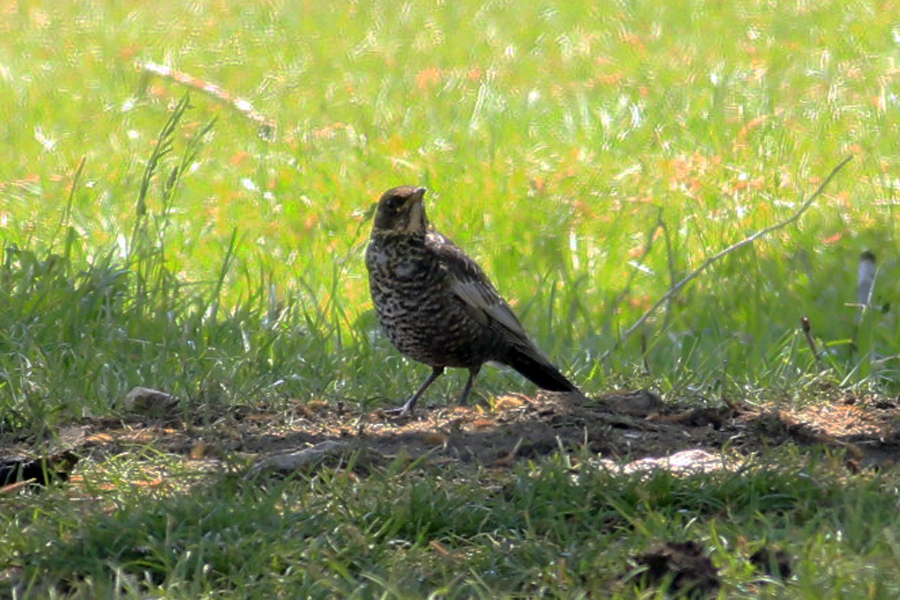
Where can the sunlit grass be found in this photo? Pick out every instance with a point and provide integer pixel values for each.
(554, 138)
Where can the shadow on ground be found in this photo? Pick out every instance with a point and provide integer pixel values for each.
(626, 431)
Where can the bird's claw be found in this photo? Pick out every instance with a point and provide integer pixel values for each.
(399, 412)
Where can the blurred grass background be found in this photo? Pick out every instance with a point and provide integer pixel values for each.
(558, 139)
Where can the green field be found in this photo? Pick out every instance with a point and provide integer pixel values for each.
(589, 155)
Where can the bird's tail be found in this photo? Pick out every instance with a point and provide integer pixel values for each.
(538, 371)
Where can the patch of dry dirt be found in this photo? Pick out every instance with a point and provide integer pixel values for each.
(688, 571)
(635, 429)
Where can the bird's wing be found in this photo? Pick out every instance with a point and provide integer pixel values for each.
(480, 298)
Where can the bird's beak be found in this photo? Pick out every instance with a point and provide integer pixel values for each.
(416, 197)
(414, 210)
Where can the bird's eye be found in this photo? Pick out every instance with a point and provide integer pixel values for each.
(394, 202)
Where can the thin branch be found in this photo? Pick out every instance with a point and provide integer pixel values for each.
(266, 127)
(810, 340)
(720, 255)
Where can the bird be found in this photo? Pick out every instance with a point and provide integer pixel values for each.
(438, 307)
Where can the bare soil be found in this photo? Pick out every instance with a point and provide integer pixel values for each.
(628, 430)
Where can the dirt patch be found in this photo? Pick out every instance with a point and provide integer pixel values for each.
(682, 567)
(632, 430)
(772, 561)
(625, 428)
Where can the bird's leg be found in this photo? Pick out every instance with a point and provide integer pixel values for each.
(407, 408)
(473, 371)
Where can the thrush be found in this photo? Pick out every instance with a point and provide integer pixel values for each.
(436, 304)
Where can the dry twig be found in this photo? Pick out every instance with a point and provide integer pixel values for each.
(723, 253)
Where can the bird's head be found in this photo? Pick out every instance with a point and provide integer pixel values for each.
(400, 210)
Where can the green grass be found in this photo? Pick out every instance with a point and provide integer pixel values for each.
(588, 155)
(543, 530)
(559, 142)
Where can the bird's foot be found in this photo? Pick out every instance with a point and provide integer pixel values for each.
(401, 412)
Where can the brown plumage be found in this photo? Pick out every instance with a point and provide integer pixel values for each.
(436, 304)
